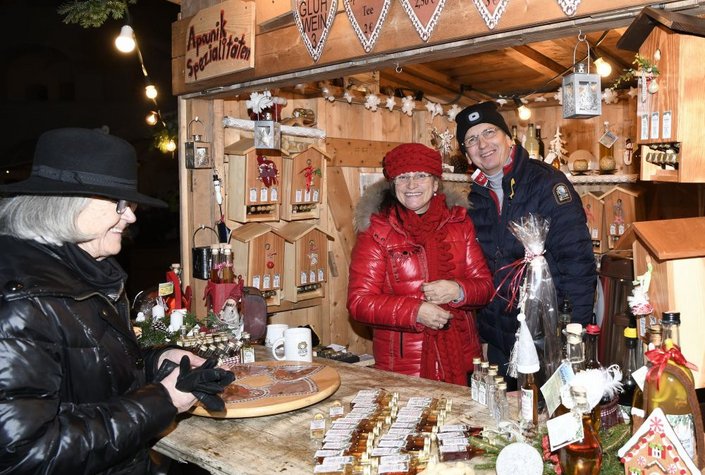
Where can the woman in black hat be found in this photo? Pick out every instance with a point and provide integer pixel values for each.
(75, 391)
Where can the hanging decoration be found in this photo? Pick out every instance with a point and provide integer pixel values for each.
(453, 111)
(371, 102)
(434, 108)
(491, 11)
(268, 171)
(581, 90)
(309, 173)
(424, 15)
(390, 103)
(407, 105)
(442, 141)
(367, 18)
(569, 7)
(307, 14)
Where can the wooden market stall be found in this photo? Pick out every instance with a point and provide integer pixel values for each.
(346, 135)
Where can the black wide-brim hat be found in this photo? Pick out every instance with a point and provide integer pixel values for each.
(83, 162)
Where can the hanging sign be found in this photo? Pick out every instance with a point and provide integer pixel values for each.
(491, 11)
(569, 6)
(220, 40)
(424, 15)
(314, 19)
(367, 18)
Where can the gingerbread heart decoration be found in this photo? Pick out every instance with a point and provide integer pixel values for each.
(367, 18)
(491, 11)
(314, 19)
(569, 6)
(424, 15)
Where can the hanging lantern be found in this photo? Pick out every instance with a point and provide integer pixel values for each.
(198, 152)
(268, 133)
(582, 91)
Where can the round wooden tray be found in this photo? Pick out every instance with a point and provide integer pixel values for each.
(273, 387)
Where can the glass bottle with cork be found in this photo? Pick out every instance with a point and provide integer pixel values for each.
(565, 315)
(227, 274)
(247, 351)
(476, 362)
(531, 144)
(606, 159)
(628, 367)
(527, 365)
(515, 135)
(542, 146)
(215, 264)
(583, 457)
(575, 347)
(481, 386)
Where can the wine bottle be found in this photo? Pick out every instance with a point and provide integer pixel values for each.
(531, 144)
(542, 149)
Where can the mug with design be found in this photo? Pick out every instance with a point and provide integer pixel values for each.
(296, 345)
(274, 332)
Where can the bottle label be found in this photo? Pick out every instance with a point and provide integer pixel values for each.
(248, 355)
(527, 404)
(473, 389)
(684, 428)
(482, 393)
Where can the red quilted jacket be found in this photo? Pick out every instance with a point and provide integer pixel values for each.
(386, 273)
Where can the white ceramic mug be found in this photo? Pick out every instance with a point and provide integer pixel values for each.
(296, 343)
(274, 332)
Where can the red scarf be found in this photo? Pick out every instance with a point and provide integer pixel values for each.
(441, 352)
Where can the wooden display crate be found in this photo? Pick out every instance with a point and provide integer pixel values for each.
(254, 183)
(622, 206)
(303, 179)
(594, 211)
(305, 260)
(258, 252)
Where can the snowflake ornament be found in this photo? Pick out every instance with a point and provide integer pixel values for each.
(390, 103)
(259, 102)
(325, 92)
(559, 95)
(610, 96)
(443, 141)
(431, 107)
(453, 112)
(407, 105)
(541, 99)
(501, 101)
(348, 97)
(633, 92)
(371, 102)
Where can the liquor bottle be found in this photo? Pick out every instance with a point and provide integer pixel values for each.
(542, 149)
(481, 386)
(583, 457)
(671, 394)
(501, 409)
(655, 342)
(565, 314)
(670, 327)
(227, 275)
(215, 264)
(531, 144)
(530, 400)
(247, 351)
(475, 378)
(628, 367)
(592, 336)
(515, 135)
(575, 348)
(490, 387)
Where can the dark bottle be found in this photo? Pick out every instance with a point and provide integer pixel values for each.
(628, 367)
(515, 135)
(565, 314)
(530, 400)
(542, 147)
(670, 327)
(592, 337)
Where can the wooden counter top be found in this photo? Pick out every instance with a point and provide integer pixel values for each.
(281, 443)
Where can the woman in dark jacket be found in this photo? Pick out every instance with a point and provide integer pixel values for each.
(417, 271)
(75, 395)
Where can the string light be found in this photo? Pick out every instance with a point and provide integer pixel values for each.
(150, 91)
(524, 112)
(125, 41)
(152, 118)
(603, 68)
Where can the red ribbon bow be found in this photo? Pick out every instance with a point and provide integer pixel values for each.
(515, 275)
(660, 357)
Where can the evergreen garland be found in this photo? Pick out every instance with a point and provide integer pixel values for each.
(93, 13)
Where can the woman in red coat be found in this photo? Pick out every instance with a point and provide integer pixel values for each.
(417, 270)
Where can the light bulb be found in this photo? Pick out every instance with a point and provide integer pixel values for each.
(524, 112)
(152, 118)
(170, 145)
(604, 68)
(125, 42)
(150, 91)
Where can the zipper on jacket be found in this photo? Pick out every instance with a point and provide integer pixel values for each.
(401, 344)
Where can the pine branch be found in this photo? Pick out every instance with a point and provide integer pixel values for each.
(93, 13)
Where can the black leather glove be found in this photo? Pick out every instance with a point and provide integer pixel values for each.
(204, 382)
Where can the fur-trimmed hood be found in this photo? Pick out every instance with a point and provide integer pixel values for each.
(371, 200)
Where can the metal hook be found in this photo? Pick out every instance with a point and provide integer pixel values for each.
(398, 68)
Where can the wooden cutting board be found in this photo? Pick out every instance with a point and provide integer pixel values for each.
(272, 387)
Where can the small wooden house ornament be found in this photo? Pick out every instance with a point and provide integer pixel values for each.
(654, 449)
(303, 176)
(305, 260)
(594, 210)
(259, 251)
(622, 207)
(254, 183)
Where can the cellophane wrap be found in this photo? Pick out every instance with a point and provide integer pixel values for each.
(540, 304)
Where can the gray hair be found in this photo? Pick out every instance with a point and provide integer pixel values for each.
(45, 219)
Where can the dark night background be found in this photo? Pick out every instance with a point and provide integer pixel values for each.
(63, 75)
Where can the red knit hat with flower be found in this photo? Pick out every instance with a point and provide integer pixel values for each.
(411, 157)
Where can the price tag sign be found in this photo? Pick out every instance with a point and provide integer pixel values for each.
(608, 139)
(564, 430)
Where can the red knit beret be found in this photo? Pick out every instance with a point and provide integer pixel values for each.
(411, 157)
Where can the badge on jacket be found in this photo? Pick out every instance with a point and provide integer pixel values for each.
(562, 194)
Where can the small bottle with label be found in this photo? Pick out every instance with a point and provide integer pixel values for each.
(481, 386)
(247, 351)
(227, 275)
(476, 362)
(215, 264)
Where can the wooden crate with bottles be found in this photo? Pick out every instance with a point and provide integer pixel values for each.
(254, 182)
(305, 260)
(258, 252)
(303, 176)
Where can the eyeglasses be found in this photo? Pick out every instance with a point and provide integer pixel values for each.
(474, 140)
(406, 179)
(122, 206)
